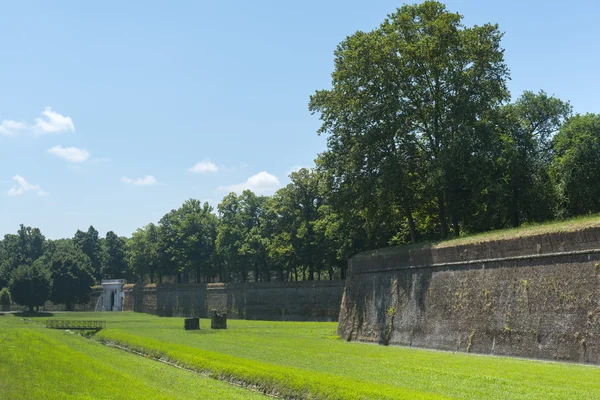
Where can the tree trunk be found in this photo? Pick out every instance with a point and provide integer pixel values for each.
(455, 225)
(151, 276)
(411, 227)
(514, 208)
(442, 216)
(197, 274)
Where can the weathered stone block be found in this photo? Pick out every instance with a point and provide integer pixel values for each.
(191, 324)
(218, 320)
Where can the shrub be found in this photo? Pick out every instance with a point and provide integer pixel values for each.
(5, 298)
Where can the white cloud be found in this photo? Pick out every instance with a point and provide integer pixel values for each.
(203, 167)
(52, 122)
(71, 154)
(148, 180)
(12, 128)
(23, 186)
(49, 122)
(261, 183)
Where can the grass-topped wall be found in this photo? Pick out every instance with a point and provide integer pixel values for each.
(532, 296)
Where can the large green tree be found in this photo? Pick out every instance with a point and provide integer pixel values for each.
(417, 87)
(71, 273)
(576, 166)
(240, 241)
(114, 257)
(22, 248)
(30, 285)
(230, 237)
(528, 126)
(89, 242)
(144, 252)
(187, 237)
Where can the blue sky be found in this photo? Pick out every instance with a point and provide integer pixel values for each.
(114, 112)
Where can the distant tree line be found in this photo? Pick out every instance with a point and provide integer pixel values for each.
(423, 143)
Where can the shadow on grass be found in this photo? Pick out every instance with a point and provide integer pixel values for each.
(30, 314)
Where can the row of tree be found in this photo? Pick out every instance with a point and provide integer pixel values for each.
(63, 271)
(423, 143)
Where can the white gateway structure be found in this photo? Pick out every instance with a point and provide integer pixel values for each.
(112, 295)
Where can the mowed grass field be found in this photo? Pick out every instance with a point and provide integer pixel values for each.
(295, 359)
(39, 363)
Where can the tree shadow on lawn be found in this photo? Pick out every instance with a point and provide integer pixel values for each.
(30, 314)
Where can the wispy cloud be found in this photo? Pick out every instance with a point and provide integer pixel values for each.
(12, 128)
(23, 186)
(49, 122)
(261, 183)
(71, 154)
(52, 122)
(204, 167)
(147, 180)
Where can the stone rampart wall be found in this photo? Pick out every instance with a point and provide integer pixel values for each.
(533, 297)
(293, 301)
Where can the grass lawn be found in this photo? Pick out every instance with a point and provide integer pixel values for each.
(307, 359)
(39, 363)
(568, 225)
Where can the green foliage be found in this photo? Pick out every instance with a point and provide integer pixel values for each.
(188, 236)
(22, 248)
(114, 257)
(30, 285)
(405, 110)
(71, 273)
(528, 126)
(240, 242)
(89, 242)
(575, 167)
(143, 251)
(5, 297)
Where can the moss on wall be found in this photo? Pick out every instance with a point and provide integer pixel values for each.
(536, 297)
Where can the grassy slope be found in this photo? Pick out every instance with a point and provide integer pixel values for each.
(308, 358)
(570, 225)
(38, 363)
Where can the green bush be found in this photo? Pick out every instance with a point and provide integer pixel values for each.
(5, 298)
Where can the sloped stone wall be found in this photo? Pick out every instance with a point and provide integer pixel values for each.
(533, 297)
